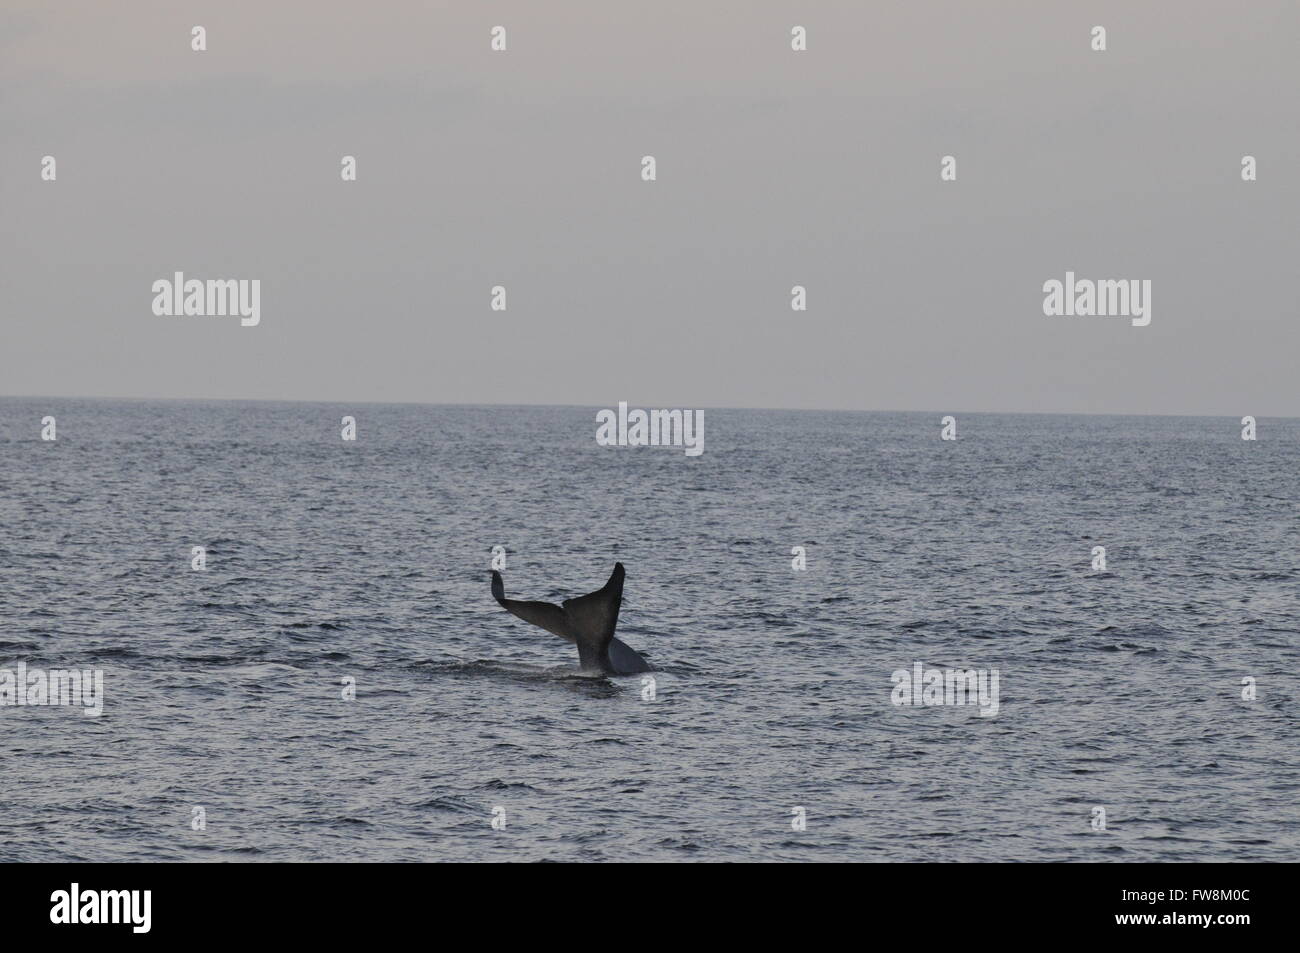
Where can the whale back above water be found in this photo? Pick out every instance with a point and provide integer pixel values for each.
(587, 621)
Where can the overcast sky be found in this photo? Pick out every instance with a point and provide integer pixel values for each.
(775, 168)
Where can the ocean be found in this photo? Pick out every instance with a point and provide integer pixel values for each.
(1160, 691)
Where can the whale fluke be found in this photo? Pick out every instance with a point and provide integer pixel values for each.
(587, 621)
(592, 619)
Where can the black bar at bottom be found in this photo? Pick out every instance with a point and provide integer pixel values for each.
(1222, 903)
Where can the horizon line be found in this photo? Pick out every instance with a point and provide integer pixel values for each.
(794, 410)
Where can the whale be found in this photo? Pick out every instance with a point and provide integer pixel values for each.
(587, 621)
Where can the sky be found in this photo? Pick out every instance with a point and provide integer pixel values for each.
(775, 168)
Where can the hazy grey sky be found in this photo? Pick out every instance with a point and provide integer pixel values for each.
(775, 168)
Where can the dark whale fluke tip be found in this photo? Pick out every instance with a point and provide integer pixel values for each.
(498, 587)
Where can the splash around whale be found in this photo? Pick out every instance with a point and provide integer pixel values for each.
(587, 621)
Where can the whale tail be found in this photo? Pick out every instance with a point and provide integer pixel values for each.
(593, 618)
(543, 614)
(587, 621)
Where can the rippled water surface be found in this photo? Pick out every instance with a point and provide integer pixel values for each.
(328, 560)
